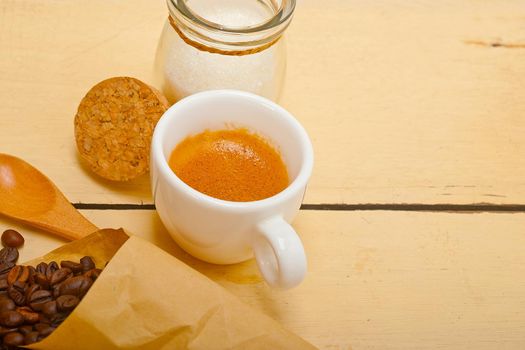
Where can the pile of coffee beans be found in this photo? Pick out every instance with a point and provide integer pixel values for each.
(35, 300)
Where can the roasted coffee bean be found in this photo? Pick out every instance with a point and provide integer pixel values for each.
(3, 285)
(5, 267)
(93, 274)
(56, 290)
(18, 273)
(13, 339)
(31, 289)
(17, 293)
(34, 301)
(77, 286)
(29, 315)
(60, 275)
(25, 329)
(41, 280)
(43, 329)
(53, 320)
(7, 304)
(44, 319)
(32, 273)
(11, 319)
(39, 298)
(67, 302)
(87, 263)
(17, 296)
(12, 238)
(51, 268)
(5, 330)
(58, 318)
(41, 268)
(73, 266)
(21, 286)
(9, 254)
(50, 308)
(31, 337)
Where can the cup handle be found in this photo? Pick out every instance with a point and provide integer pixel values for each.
(279, 253)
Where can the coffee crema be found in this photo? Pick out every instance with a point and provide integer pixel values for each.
(232, 164)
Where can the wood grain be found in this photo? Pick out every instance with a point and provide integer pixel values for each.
(406, 102)
(376, 280)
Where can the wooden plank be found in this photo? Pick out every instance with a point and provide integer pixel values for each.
(377, 280)
(418, 102)
(403, 106)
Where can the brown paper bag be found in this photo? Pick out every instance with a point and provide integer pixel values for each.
(147, 299)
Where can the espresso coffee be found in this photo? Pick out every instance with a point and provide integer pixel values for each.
(232, 164)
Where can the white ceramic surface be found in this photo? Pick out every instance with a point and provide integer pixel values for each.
(225, 232)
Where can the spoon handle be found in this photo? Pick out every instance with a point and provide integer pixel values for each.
(64, 220)
(73, 225)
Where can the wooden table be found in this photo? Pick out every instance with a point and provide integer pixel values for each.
(414, 221)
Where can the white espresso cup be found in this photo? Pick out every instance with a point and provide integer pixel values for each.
(227, 232)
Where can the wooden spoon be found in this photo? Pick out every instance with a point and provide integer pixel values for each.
(29, 196)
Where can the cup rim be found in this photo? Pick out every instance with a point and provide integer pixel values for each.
(169, 175)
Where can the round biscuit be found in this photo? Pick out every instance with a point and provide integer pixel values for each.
(114, 125)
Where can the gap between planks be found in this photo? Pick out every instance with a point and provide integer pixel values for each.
(460, 208)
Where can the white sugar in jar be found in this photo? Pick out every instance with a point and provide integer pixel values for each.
(223, 44)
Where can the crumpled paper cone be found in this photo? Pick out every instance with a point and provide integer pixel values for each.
(147, 299)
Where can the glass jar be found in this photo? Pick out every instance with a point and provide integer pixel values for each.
(226, 44)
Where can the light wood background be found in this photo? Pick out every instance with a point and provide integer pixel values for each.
(406, 102)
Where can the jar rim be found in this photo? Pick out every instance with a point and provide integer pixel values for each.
(282, 15)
